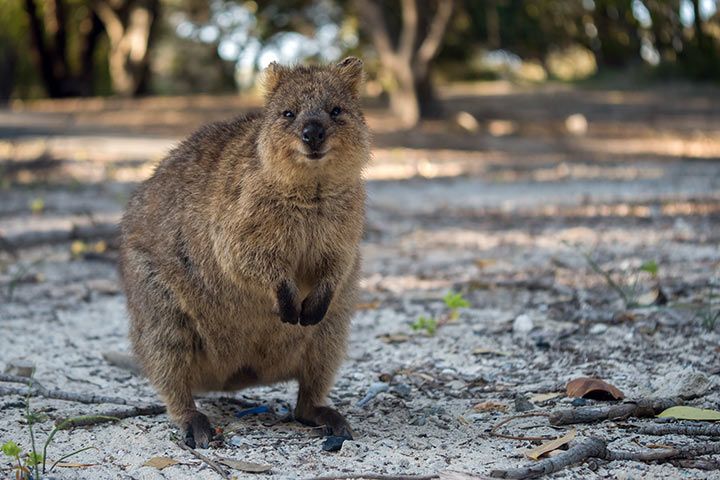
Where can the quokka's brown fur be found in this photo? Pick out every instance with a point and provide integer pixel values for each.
(240, 254)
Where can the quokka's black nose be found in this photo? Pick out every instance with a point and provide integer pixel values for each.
(313, 134)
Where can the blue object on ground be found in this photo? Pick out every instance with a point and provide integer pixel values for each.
(375, 388)
(252, 411)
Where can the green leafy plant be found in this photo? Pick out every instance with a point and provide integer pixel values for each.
(13, 450)
(627, 287)
(709, 311)
(29, 465)
(428, 324)
(18, 277)
(453, 301)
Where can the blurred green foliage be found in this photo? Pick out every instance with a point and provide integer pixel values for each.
(667, 37)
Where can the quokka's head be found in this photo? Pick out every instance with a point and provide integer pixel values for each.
(312, 121)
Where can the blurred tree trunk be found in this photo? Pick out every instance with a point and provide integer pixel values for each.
(700, 38)
(666, 27)
(406, 62)
(8, 63)
(50, 45)
(129, 25)
(618, 32)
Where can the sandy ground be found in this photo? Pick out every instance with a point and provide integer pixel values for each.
(501, 215)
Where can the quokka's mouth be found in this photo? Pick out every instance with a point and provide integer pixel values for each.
(316, 155)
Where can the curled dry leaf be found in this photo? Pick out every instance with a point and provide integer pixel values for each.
(594, 388)
(160, 462)
(550, 446)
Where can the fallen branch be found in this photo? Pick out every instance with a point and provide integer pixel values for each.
(212, 464)
(698, 463)
(578, 452)
(662, 454)
(593, 447)
(705, 429)
(376, 476)
(36, 389)
(110, 416)
(638, 408)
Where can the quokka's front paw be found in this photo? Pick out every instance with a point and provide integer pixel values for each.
(315, 306)
(288, 302)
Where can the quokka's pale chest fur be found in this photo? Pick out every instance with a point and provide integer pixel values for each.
(240, 255)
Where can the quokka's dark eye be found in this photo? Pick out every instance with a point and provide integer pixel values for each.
(335, 112)
(288, 114)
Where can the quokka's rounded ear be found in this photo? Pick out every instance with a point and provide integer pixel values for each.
(271, 77)
(351, 70)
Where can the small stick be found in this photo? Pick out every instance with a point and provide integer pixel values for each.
(376, 476)
(495, 429)
(707, 430)
(638, 408)
(699, 463)
(660, 454)
(36, 389)
(221, 471)
(110, 416)
(593, 447)
(578, 451)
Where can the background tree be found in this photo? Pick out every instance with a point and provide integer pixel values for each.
(405, 56)
(129, 25)
(52, 29)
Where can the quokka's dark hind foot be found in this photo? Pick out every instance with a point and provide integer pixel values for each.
(198, 431)
(333, 422)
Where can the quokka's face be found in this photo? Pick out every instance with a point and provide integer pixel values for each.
(312, 120)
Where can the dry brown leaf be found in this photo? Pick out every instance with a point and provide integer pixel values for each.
(489, 351)
(593, 388)
(248, 467)
(394, 337)
(490, 406)
(625, 317)
(544, 397)
(76, 465)
(160, 462)
(551, 445)
(484, 262)
(368, 305)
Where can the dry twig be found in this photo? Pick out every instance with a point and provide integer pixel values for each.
(637, 408)
(375, 476)
(593, 447)
(36, 389)
(578, 452)
(703, 429)
(111, 416)
(212, 464)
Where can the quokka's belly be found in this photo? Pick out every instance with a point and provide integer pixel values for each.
(269, 352)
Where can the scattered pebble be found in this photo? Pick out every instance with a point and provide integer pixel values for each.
(522, 404)
(523, 324)
(598, 328)
(20, 368)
